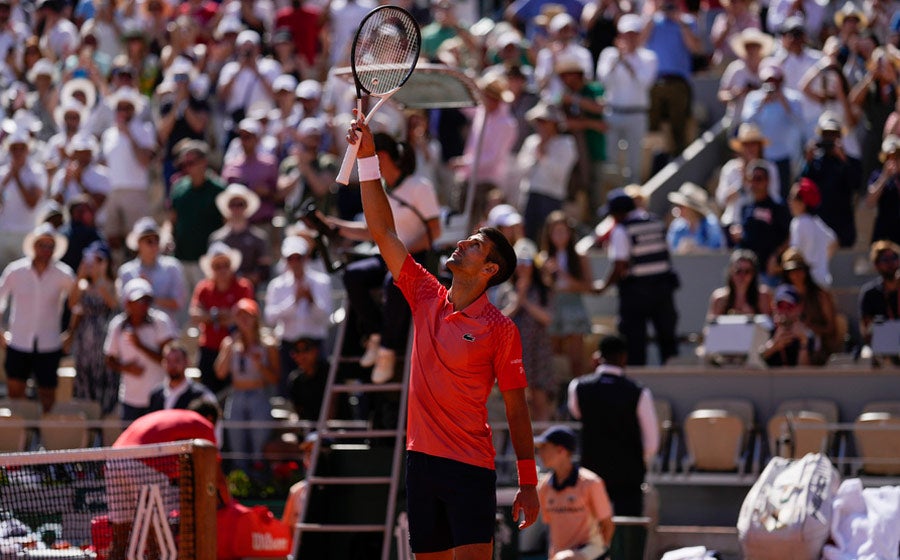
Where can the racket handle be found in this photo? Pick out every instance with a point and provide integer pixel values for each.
(347, 165)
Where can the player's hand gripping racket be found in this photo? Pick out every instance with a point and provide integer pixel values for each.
(383, 56)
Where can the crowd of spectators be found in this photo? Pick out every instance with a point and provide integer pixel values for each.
(166, 149)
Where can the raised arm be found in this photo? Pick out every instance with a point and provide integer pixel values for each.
(376, 208)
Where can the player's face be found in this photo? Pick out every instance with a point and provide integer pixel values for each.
(470, 254)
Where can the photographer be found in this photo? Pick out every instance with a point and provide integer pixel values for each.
(182, 114)
(837, 175)
(246, 81)
(792, 341)
(777, 111)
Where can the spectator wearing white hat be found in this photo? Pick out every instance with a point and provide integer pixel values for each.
(255, 169)
(287, 114)
(60, 36)
(627, 71)
(80, 174)
(127, 148)
(796, 57)
(247, 80)
(309, 94)
(133, 347)
(23, 183)
(212, 304)
(563, 30)
(192, 210)
(777, 111)
(236, 204)
(298, 301)
(42, 102)
(742, 75)
(37, 285)
(13, 34)
(309, 170)
(695, 227)
(549, 158)
(69, 115)
(163, 271)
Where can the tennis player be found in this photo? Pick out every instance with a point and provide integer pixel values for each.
(462, 346)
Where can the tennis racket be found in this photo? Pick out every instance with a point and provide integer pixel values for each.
(383, 56)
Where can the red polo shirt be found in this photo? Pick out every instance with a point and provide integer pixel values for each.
(456, 358)
(207, 297)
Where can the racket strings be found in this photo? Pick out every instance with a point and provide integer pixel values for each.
(387, 51)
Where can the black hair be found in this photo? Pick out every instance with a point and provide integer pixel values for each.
(502, 254)
(753, 289)
(175, 346)
(402, 154)
(612, 348)
(206, 409)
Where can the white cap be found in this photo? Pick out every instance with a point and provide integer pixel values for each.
(311, 125)
(250, 125)
(559, 21)
(228, 24)
(137, 288)
(309, 89)
(294, 245)
(247, 36)
(630, 23)
(503, 215)
(284, 82)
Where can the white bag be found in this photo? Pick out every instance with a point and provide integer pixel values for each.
(787, 513)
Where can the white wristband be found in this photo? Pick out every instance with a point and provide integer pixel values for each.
(368, 169)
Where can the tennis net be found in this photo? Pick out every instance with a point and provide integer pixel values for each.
(152, 501)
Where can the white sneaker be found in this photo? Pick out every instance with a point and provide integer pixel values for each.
(384, 366)
(371, 353)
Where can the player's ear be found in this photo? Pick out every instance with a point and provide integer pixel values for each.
(490, 269)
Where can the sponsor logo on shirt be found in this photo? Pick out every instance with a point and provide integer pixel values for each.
(469, 337)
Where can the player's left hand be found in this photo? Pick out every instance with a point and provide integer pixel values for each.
(526, 502)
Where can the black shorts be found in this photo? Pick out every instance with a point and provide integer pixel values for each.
(20, 365)
(449, 503)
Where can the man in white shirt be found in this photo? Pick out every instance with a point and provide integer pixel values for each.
(133, 347)
(795, 58)
(343, 19)
(69, 115)
(247, 81)
(37, 284)
(60, 37)
(619, 434)
(627, 72)
(80, 175)
(563, 31)
(23, 183)
(298, 301)
(127, 149)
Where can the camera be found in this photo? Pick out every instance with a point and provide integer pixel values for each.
(307, 213)
(768, 87)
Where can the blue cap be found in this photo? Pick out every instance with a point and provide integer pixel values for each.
(97, 248)
(787, 293)
(563, 436)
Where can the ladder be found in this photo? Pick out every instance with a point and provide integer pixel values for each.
(336, 430)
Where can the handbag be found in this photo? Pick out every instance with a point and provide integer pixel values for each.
(252, 532)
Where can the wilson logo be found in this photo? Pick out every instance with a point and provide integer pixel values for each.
(265, 541)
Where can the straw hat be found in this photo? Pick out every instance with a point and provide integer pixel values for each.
(42, 67)
(83, 85)
(792, 259)
(71, 105)
(692, 196)
(144, 227)
(544, 112)
(45, 230)
(496, 88)
(749, 36)
(219, 249)
(127, 95)
(547, 12)
(237, 190)
(747, 132)
(567, 63)
(850, 9)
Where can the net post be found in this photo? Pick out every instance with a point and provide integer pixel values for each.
(205, 500)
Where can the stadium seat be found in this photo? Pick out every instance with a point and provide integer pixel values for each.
(812, 436)
(64, 431)
(91, 409)
(879, 448)
(29, 411)
(13, 434)
(667, 436)
(716, 435)
(112, 428)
